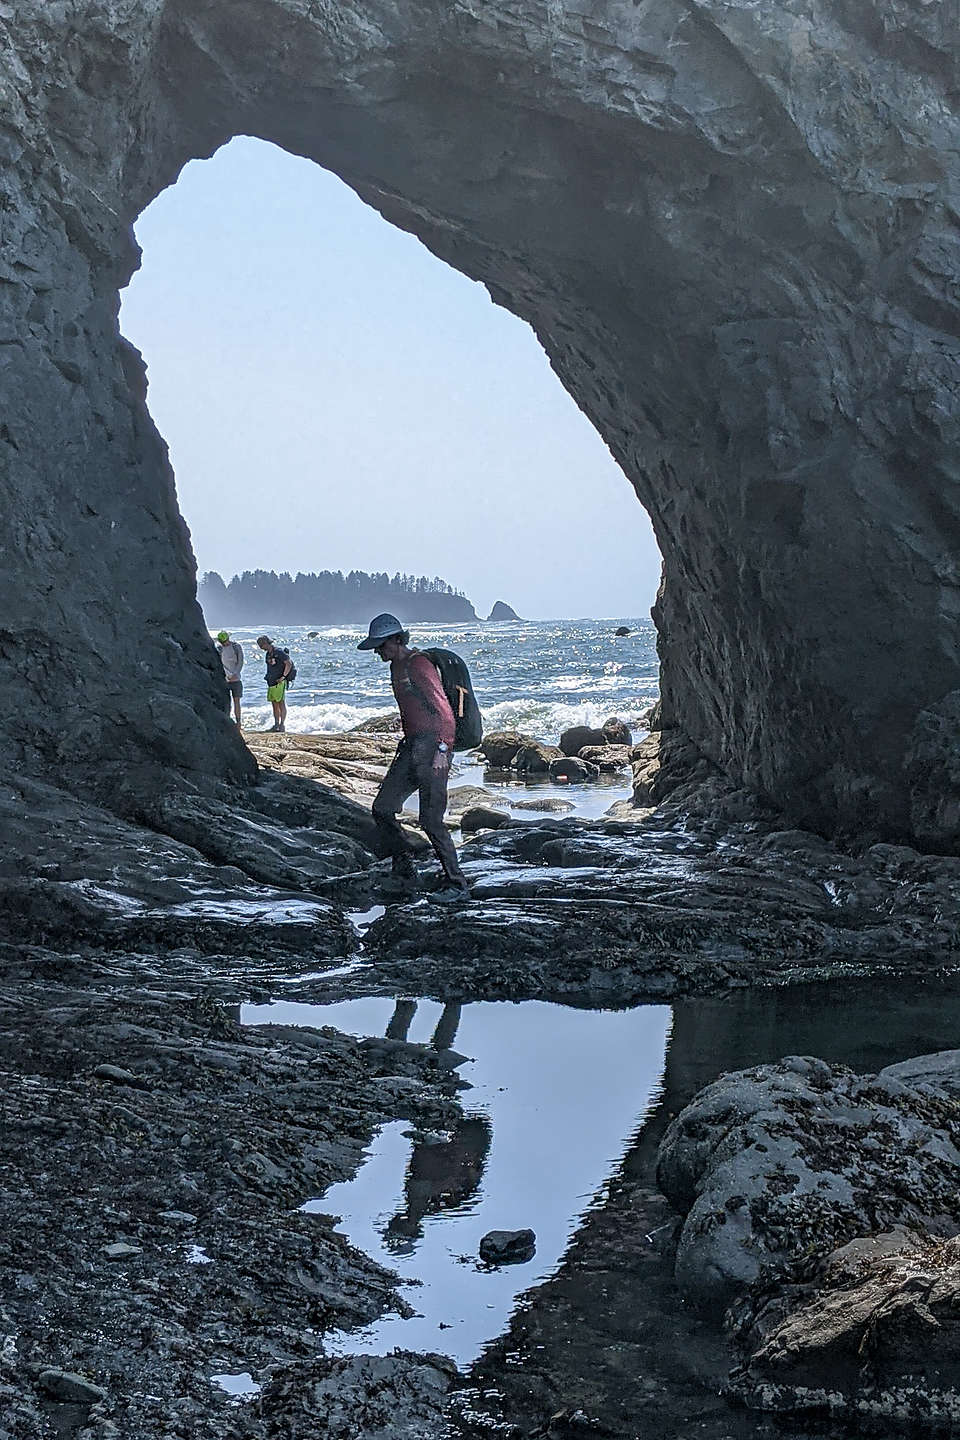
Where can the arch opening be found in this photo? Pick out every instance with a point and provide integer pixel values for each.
(749, 289)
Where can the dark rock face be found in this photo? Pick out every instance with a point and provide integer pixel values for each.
(745, 276)
(502, 611)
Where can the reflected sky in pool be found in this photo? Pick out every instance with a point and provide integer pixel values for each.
(557, 1096)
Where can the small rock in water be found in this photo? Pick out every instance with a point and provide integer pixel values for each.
(70, 1388)
(508, 1247)
(481, 817)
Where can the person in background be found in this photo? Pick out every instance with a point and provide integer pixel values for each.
(231, 654)
(278, 668)
(422, 761)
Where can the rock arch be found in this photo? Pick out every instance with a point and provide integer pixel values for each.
(733, 227)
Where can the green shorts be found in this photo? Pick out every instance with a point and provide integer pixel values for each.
(277, 692)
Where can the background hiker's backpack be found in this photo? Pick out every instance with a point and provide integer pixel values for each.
(279, 649)
(458, 688)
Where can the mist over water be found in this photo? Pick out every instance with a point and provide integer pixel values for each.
(539, 676)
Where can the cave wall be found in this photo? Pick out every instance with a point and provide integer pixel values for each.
(733, 227)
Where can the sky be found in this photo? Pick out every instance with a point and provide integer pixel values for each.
(336, 398)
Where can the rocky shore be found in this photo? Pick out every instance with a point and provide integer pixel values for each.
(155, 1153)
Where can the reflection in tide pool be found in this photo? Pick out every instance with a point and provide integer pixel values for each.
(558, 1094)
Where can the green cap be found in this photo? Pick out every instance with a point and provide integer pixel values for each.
(223, 636)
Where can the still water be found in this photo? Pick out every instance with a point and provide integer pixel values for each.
(534, 1149)
(562, 1100)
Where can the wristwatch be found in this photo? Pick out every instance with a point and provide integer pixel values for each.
(443, 747)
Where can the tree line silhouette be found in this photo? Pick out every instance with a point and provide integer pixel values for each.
(259, 597)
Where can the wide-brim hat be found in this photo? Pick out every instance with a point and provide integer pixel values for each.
(382, 627)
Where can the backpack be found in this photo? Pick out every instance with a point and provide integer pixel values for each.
(280, 650)
(458, 688)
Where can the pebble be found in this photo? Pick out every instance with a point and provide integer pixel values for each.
(121, 1251)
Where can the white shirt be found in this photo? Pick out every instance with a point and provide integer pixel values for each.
(232, 656)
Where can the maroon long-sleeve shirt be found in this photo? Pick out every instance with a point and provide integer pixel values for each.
(424, 707)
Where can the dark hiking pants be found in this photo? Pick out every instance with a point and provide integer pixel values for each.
(412, 769)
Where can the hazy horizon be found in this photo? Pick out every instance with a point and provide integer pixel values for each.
(481, 613)
(334, 397)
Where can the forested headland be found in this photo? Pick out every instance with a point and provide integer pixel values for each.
(260, 597)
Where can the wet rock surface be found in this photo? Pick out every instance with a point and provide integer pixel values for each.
(150, 1233)
(821, 1215)
(169, 1247)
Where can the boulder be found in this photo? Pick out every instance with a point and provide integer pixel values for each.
(774, 1165)
(617, 731)
(879, 1340)
(69, 1388)
(622, 630)
(551, 804)
(573, 740)
(466, 797)
(607, 757)
(500, 747)
(481, 817)
(572, 767)
(379, 725)
(534, 759)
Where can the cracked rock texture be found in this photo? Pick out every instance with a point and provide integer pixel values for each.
(733, 227)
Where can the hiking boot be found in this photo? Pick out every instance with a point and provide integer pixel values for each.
(453, 893)
(282, 729)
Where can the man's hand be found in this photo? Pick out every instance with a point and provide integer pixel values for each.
(441, 760)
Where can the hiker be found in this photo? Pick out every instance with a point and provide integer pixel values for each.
(231, 654)
(422, 761)
(277, 675)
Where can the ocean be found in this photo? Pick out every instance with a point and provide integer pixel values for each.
(538, 676)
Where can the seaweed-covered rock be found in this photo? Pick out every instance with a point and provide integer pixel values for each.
(361, 1397)
(775, 1165)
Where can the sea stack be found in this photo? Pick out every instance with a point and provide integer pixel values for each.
(503, 611)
